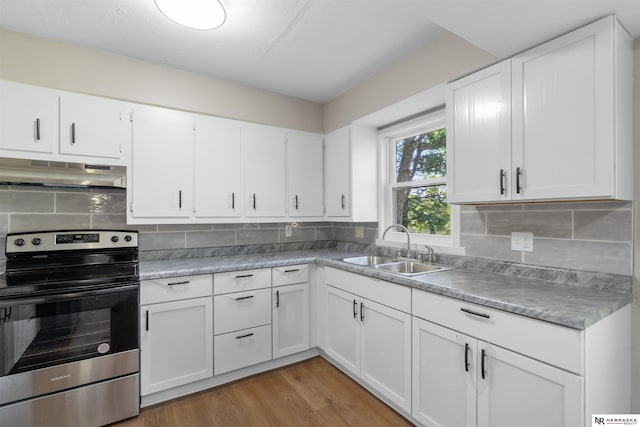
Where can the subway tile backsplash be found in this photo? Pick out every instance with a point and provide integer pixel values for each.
(594, 236)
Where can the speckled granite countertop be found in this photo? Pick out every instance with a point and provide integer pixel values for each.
(571, 305)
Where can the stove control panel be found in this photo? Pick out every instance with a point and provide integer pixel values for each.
(70, 240)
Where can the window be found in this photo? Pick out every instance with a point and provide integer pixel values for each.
(416, 181)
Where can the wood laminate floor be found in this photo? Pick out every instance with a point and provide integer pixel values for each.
(309, 393)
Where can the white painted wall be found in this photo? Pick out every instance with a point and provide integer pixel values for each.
(434, 64)
(43, 62)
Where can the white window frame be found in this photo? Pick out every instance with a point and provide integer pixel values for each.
(398, 239)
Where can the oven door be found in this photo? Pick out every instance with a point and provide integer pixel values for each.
(64, 340)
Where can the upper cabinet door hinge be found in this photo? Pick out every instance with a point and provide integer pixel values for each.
(131, 117)
(131, 207)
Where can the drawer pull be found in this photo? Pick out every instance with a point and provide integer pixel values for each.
(482, 357)
(475, 313)
(244, 298)
(186, 282)
(293, 270)
(466, 357)
(244, 276)
(239, 337)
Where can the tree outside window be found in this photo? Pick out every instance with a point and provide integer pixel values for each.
(420, 192)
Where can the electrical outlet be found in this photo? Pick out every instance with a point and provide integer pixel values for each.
(522, 242)
(287, 231)
(359, 232)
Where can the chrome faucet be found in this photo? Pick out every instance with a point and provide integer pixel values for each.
(403, 228)
(430, 253)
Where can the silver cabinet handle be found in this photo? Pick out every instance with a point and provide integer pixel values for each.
(342, 200)
(73, 133)
(502, 182)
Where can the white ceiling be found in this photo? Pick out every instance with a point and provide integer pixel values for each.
(311, 49)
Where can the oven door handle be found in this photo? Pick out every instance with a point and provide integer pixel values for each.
(25, 299)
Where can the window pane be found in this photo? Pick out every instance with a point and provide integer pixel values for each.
(421, 156)
(424, 209)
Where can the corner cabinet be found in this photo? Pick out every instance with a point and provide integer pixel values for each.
(569, 135)
(367, 331)
(176, 336)
(161, 176)
(351, 174)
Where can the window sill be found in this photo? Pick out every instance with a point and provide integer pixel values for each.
(419, 246)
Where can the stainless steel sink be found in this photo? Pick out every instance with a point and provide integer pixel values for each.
(410, 268)
(369, 260)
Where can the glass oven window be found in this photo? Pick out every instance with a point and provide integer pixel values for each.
(37, 334)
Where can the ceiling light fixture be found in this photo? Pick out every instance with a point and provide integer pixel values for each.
(196, 14)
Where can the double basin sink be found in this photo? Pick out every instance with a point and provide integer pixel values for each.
(392, 265)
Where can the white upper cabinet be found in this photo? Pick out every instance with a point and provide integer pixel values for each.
(217, 168)
(263, 158)
(479, 135)
(565, 130)
(304, 175)
(351, 174)
(571, 122)
(162, 168)
(28, 119)
(94, 127)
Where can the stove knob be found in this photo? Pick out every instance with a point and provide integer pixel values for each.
(18, 242)
(36, 241)
(127, 238)
(115, 239)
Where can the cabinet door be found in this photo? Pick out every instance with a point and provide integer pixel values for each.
(162, 167)
(176, 344)
(342, 341)
(28, 118)
(304, 175)
(263, 155)
(217, 168)
(386, 352)
(290, 319)
(517, 390)
(563, 116)
(479, 135)
(444, 389)
(92, 126)
(337, 176)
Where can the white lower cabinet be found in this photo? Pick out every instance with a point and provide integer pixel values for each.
(176, 334)
(371, 340)
(290, 319)
(463, 381)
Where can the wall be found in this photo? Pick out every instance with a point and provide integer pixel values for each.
(594, 236)
(434, 64)
(635, 322)
(42, 62)
(28, 208)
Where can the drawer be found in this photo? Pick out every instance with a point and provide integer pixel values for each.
(380, 291)
(232, 312)
(175, 288)
(553, 344)
(290, 274)
(236, 350)
(245, 280)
